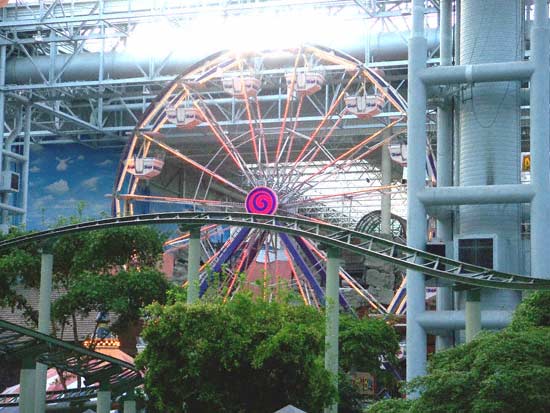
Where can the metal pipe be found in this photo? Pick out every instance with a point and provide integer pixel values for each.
(332, 311)
(11, 208)
(26, 164)
(4, 225)
(416, 213)
(540, 146)
(44, 313)
(482, 72)
(385, 201)
(477, 195)
(434, 321)
(193, 265)
(444, 295)
(384, 46)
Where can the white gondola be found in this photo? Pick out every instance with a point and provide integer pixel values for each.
(364, 106)
(305, 83)
(398, 153)
(145, 168)
(183, 117)
(241, 87)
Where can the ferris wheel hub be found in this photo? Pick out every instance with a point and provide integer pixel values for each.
(262, 200)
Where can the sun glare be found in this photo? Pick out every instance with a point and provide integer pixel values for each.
(203, 36)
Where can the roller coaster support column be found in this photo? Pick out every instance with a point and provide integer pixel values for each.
(332, 309)
(416, 175)
(444, 298)
(130, 403)
(540, 146)
(385, 204)
(103, 398)
(44, 317)
(27, 378)
(473, 314)
(193, 265)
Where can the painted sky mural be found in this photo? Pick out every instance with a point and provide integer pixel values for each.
(64, 176)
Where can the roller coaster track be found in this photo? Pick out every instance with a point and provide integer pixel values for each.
(19, 342)
(369, 245)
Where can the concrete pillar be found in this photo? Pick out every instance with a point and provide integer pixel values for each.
(332, 311)
(472, 314)
(444, 298)
(44, 324)
(27, 378)
(193, 265)
(540, 146)
(4, 224)
(130, 403)
(385, 204)
(416, 175)
(103, 399)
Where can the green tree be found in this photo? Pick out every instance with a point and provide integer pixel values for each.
(18, 267)
(503, 372)
(247, 355)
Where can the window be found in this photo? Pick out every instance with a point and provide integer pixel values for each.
(477, 251)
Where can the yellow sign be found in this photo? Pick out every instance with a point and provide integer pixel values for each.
(525, 162)
(365, 383)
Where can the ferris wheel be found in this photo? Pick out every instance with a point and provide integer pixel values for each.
(287, 132)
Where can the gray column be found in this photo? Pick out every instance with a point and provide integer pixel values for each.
(130, 403)
(103, 399)
(472, 314)
(444, 297)
(44, 323)
(27, 378)
(4, 224)
(490, 134)
(193, 265)
(416, 175)
(332, 311)
(540, 146)
(26, 162)
(385, 204)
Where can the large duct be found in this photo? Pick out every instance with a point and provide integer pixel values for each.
(491, 31)
(85, 66)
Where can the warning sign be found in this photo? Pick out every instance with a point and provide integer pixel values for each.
(526, 162)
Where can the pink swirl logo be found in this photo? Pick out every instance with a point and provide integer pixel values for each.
(262, 200)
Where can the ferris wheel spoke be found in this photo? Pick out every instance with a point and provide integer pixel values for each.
(350, 163)
(290, 92)
(293, 133)
(325, 119)
(347, 153)
(262, 132)
(197, 165)
(348, 194)
(224, 141)
(295, 276)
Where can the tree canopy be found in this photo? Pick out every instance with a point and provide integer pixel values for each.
(247, 355)
(503, 372)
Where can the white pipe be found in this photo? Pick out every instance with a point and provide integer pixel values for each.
(483, 72)
(477, 195)
(434, 321)
(383, 46)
